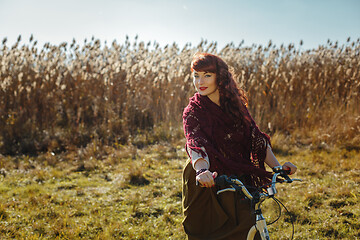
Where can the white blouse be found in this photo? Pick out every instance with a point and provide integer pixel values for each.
(196, 156)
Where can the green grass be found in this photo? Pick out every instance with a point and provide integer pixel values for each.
(130, 193)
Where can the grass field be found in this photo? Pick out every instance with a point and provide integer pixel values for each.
(135, 193)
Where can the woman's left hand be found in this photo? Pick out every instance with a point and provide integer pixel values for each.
(289, 166)
(206, 179)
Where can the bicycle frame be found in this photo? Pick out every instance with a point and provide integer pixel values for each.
(260, 224)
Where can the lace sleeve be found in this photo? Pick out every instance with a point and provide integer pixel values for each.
(195, 138)
(259, 143)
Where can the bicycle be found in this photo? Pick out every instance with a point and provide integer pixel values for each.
(257, 198)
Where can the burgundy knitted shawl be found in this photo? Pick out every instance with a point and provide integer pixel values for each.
(232, 147)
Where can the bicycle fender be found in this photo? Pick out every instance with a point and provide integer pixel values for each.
(251, 233)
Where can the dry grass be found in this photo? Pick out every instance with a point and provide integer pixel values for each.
(131, 193)
(57, 98)
(139, 197)
(325, 204)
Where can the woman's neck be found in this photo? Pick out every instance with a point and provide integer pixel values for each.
(215, 97)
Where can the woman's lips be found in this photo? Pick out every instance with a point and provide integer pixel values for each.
(203, 88)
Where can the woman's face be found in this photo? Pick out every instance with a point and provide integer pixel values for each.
(205, 83)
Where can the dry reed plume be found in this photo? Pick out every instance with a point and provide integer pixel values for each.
(58, 97)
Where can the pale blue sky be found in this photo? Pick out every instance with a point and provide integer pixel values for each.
(182, 21)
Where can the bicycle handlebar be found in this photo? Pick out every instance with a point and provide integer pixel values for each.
(237, 185)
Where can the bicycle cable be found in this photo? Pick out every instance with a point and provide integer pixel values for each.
(291, 217)
(278, 217)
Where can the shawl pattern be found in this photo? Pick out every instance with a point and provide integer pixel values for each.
(232, 147)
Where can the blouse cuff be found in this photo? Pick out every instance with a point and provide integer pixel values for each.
(196, 156)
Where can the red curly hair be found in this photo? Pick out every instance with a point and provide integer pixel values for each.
(233, 99)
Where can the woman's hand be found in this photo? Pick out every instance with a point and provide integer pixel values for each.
(206, 178)
(289, 166)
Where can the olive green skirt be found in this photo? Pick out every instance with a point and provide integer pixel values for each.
(210, 216)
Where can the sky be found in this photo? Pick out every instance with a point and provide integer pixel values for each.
(182, 21)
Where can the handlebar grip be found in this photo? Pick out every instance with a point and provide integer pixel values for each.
(281, 170)
(287, 171)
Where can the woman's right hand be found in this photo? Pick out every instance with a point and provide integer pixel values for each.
(289, 166)
(206, 178)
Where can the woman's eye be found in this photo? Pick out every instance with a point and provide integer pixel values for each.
(208, 75)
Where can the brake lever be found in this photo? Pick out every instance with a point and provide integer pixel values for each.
(287, 178)
(278, 170)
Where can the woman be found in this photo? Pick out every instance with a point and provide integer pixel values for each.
(222, 138)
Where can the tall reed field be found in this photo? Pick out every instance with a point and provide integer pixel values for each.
(59, 97)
